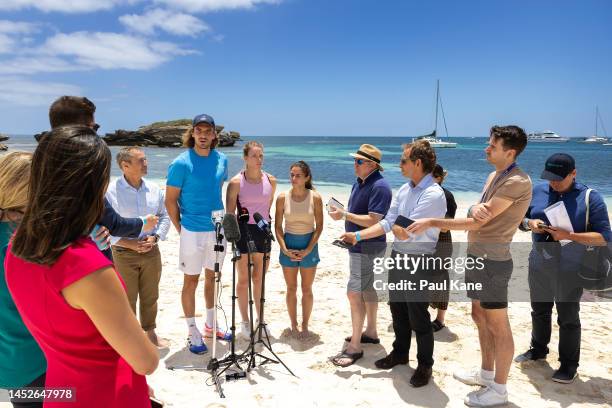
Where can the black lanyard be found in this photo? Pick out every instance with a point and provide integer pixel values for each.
(497, 180)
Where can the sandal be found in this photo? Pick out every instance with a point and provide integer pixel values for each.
(437, 325)
(365, 339)
(345, 355)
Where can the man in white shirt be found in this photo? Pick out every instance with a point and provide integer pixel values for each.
(421, 197)
(138, 261)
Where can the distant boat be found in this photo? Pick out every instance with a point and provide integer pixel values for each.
(548, 136)
(597, 139)
(431, 138)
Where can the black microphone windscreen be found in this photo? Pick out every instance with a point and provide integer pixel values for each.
(230, 227)
(257, 217)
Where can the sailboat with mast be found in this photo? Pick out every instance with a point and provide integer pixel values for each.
(432, 138)
(595, 138)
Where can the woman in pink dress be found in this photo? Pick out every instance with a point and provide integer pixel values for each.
(69, 295)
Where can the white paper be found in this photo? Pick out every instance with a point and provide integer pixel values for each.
(559, 218)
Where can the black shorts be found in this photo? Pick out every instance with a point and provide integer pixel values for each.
(494, 278)
(261, 240)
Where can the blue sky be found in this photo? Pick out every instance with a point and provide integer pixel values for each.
(311, 67)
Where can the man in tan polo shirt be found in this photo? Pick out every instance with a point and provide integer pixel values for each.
(491, 224)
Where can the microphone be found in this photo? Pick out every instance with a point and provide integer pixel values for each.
(244, 216)
(230, 226)
(263, 225)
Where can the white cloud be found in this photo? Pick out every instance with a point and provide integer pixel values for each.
(23, 92)
(36, 65)
(170, 21)
(214, 5)
(111, 50)
(12, 33)
(17, 27)
(64, 6)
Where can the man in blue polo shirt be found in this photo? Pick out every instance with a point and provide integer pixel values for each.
(552, 265)
(369, 202)
(193, 192)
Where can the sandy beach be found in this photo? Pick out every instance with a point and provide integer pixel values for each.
(319, 383)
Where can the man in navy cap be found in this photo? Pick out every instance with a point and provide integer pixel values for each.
(552, 265)
(193, 193)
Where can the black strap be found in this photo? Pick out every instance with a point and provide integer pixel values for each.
(368, 156)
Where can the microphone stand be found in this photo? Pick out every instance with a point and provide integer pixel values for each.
(261, 332)
(213, 364)
(232, 358)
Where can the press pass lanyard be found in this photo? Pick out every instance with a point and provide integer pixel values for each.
(497, 180)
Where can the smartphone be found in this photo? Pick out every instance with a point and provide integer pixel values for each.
(543, 225)
(341, 244)
(334, 203)
(403, 221)
(155, 403)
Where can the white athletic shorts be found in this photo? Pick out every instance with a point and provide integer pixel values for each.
(197, 251)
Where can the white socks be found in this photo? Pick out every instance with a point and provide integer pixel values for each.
(487, 375)
(499, 388)
(490, 376)
(195, 337)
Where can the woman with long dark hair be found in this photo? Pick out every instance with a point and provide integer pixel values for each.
(69, 295)
(302, 209)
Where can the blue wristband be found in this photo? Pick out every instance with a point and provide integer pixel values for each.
(358, 236)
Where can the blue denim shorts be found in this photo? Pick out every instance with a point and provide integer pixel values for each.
(294, 241)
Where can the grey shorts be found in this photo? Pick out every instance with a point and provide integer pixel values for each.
(361, 277)
(494, 278)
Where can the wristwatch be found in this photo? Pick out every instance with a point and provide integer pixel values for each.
(525, 224)
(156, 238)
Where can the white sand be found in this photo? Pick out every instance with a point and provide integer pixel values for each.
(319, 383)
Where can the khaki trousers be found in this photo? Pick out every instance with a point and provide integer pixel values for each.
(141, 274)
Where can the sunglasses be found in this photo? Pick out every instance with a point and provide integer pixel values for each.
(359, 162)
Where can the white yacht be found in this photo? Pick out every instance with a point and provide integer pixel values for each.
(547, 136)
(431, 138)
(435, 142)
(595, 139)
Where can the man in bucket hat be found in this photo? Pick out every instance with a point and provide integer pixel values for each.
(369, 202)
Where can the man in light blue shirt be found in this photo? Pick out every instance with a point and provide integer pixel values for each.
(193, 194)
(420, 197)
(138, 260)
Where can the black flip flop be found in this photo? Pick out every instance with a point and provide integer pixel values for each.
(364, 339)
(437, 325)
(352, 357)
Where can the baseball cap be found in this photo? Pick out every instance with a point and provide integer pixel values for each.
(203, 118)
(558, 166)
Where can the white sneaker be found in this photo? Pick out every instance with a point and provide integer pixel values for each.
(471, 377)
(486, 397)
(245, 331)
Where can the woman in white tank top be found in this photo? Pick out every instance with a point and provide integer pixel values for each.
(301, 208)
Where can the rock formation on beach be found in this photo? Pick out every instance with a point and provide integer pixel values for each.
(163, 134)
(3, 138)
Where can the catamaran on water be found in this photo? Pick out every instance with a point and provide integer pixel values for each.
(434, 141)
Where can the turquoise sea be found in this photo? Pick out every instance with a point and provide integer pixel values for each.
(332, 166)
